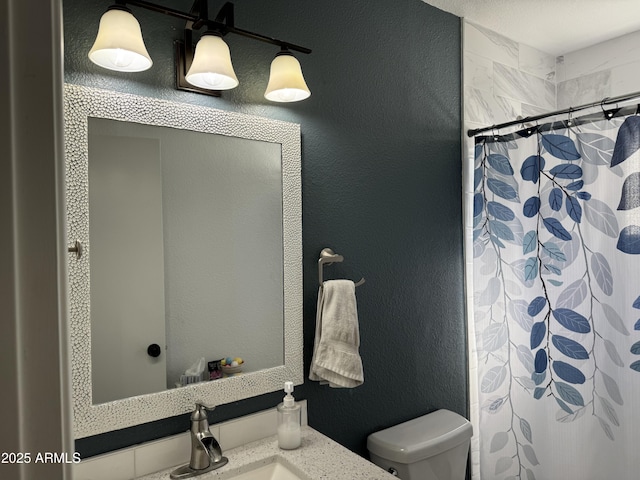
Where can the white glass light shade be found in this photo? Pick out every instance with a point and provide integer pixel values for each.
(119, 45)
(286, 83)
(211, 68)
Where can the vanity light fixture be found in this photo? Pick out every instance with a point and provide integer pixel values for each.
(119, 46)
(286, 83)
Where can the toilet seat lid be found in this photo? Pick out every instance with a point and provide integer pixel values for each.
(420, 438)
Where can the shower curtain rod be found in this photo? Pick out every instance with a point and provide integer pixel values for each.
(602, 103)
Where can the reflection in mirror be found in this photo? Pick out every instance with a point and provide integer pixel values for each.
(185, 230)
(191, 217)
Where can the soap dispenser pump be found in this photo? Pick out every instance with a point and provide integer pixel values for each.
(289, 435)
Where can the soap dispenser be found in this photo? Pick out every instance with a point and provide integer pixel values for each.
(289, 411)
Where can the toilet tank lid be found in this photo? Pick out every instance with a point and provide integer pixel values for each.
(420, 438)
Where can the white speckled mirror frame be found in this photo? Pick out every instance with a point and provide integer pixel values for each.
(82, 102)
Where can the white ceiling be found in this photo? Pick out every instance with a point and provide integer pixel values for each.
(553, 26)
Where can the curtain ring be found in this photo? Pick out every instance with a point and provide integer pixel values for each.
(569, 119)
(493, 132)
(602, 106)
(608, 114)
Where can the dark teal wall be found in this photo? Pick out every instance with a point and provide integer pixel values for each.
(381, 176)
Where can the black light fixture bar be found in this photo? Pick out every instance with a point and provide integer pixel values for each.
(224, 22)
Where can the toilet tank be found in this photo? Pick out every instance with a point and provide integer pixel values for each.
(432, 447)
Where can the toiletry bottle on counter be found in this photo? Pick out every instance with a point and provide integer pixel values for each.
(289, 420)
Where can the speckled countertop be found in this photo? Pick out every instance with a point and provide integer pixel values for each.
(318, 458)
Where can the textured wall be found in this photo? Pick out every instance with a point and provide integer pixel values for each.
(381, 185)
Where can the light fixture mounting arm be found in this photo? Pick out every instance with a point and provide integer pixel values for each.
(223, 23)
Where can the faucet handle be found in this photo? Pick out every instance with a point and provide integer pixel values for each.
(200, 404)
(200, 413)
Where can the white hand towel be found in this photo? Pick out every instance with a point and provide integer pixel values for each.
(336, 359)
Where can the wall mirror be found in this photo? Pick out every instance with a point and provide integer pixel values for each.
(190, 224)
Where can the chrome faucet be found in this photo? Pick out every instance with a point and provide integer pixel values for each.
(206, 454)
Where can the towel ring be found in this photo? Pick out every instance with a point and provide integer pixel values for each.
(327, 257)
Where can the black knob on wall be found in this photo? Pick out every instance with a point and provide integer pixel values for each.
(154, 350)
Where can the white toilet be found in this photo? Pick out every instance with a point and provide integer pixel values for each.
(431, 447)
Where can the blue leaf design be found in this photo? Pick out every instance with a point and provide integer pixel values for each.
(569, 347)
(529, 242)
(574, 209)
(501, 189)
(556, 229)
(583, 195)
(538, 331)
(612, 388)
(493, 379)
(568, 373)
(536, 306)
(538, 392)
(478, 204)
(601, 217)
(518, 311)
(555, 283)
(531, 168)
(595, 149)
(540, 363)
(500, 230)
(628, 140)
(531, 268)
(555, 199)
(614, 319)
(552, 269)
(636, 304)
(569, 394)
(554, 251)
(571, 320)
(566, 170)
(525, 428)
(500, 211)
(497, 241)
(635, 348)
(502, 465)
(629, 240)
(630, 197)
(573, 295)
(560, 146)
(602, 272)
(477, 178)
(574, 186)
(636, 326)
(531, 207)
(564, 406)
(518, 267)
(500, 163)
(478, 151)
(538, 378)
(635, 366)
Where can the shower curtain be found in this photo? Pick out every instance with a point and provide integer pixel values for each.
(554, 236)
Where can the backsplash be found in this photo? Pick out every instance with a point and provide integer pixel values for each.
(150, 457)
(504, 79)
(607, 69)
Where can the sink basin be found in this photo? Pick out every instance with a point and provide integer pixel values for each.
(273, 471)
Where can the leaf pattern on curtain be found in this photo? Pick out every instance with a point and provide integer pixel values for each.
(544, 246)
